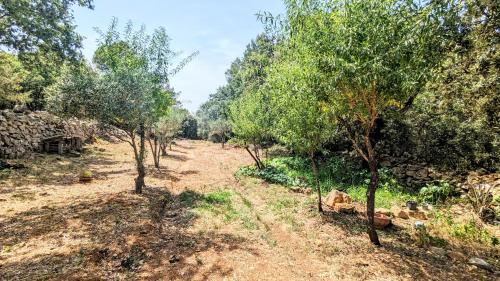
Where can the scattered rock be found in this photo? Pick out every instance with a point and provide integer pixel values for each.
(400, 213)
(417, 214)
(344, 208)
(382, 221)
(457, 256)
(440, 252)
(336, 197)
(481, 264)
(174, 259)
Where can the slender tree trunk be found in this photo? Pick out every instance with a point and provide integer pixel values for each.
(141, 170)
(370, 199)
(155, 151)
(316, 180)
(254, 158)
(256, 151)
(223, 142)
(163, 147)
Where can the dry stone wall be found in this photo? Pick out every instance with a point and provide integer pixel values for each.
(23, 133)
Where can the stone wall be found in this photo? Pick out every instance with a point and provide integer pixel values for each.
(22, 133)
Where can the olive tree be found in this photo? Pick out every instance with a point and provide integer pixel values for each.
(163, 132)
(133, 90)
(301, 120)
(250, 122)
(221, 129)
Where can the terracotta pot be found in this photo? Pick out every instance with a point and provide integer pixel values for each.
(381, 221)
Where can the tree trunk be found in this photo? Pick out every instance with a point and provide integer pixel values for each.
(141, 170)
(163, 147)
(370, 200)
(256, 151)
(316, 180)
(254, 158)
(223, 142)
(155, 151)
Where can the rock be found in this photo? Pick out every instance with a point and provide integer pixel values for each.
(174, 259)
(411, 173)
(336, 197)
(400, 213)
(440, 252)
(481, 264)
(382, 221)
(344, 208)
(422, 174)
(457, 256)
(417, 214)
(384, 211)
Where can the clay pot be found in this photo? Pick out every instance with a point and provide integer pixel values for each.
(381, 221)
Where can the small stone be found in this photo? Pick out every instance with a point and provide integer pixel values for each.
(440, 252)
(457, 256)
(419, 225)
(344, 208)
(174, 259)
(481, 264)
(400, 213)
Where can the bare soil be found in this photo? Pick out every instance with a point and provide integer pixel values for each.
(54, 228)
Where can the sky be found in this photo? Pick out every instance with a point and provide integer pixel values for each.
(218, 29)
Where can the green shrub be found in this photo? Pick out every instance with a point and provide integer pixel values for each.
(86, 174)
(270, 174)
(335, 173)
(435, 193)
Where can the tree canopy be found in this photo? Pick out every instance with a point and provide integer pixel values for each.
(41, 25)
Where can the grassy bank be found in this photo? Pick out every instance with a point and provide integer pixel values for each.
(334, 173)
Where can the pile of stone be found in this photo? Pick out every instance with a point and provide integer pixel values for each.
(24, 133)
(340, 202)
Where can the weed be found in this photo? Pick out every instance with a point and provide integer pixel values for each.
(385, 196)
(470, 230)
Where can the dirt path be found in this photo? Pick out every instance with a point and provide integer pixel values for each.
(196, 221)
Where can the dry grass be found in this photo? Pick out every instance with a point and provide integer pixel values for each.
(194, 222)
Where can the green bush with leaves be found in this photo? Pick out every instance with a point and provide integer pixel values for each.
(437, 192)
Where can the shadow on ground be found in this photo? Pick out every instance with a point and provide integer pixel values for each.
(405, 258)
(130, 236)
(45, 169)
